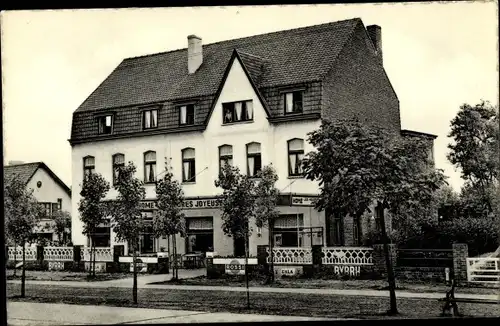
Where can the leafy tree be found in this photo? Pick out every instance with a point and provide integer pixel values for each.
(62, 226)
(474, 149)
(169, 220)
(128, 222)
(92, 208)
(238, 203)
(357, 166)
(21, 217)
(266, 199)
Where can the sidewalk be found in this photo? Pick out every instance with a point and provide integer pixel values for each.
(127, 283)
(27, 313)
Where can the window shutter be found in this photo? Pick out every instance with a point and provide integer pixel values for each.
(249, 112)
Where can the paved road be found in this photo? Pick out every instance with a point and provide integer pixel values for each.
(27, 313)
(126, 283)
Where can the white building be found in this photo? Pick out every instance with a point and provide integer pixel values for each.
(251, 101)
(48, 189)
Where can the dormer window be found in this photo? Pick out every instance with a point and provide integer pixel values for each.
(150, 118)
(105, 124)
(237, 111)
(186, 114)
(293, 102)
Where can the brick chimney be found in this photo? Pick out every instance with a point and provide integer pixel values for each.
(375, 33)
(195, 53)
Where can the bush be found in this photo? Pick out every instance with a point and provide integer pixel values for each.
(481, 234)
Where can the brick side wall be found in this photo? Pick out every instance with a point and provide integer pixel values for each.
(421, 273)
(357, 86)
(379, 265)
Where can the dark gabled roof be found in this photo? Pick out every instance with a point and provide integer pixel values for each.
(287, 57)
(26, 171)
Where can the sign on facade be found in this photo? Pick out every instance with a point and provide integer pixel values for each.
(202, 203)
(347, 270)
(302, 201)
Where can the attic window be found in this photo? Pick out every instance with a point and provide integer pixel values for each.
(105, 124)
(237, 111)
(293, 102)
(186, 114)
(150, 118)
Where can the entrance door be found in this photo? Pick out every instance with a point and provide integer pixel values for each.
(239, 247)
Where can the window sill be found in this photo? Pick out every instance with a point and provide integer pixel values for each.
(293, 113)
(236, 122)
(150, 183)
(296, 177)
(188, 182)
(150, 128)
(186, 124)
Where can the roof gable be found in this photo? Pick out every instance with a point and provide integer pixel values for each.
(291, 56)
(27, 170)
(255, 70)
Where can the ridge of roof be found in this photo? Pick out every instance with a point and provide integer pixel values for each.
(298, 29)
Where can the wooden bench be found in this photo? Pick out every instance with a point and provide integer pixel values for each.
(450, 302)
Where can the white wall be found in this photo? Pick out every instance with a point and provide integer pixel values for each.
(50, 190)
(273, 141)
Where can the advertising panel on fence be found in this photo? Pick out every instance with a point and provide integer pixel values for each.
(347, 270)
(147, 260)
(288, 271)
(234, 266)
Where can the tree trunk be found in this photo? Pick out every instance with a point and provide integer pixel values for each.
(134, 286)
(23, 275)
(271, 253)
(390, 272)
(175, 273)
(246, 271)
(15, 258)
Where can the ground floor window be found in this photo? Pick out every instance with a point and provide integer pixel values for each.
(199, 234)
(101, 237)
(287, 230)
(334, 229)
(357, 231)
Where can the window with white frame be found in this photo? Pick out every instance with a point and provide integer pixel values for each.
(254, 162)
(295, 156)
(118, 163)
(237, 111)
(88, 165)
(225, 156)
(105, 124)
(186, 116)
(293, 102)
(150, 118)
(150, 167)
(188, 165)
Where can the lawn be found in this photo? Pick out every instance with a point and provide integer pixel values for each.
(418, 287)
(65, 276)
(332, 306)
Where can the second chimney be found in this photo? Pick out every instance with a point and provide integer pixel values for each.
(375, 33)
(195, 53)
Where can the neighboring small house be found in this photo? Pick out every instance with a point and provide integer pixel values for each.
(48, 189)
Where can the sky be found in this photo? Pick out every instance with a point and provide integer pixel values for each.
(437, 56)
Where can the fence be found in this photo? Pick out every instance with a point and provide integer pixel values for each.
(484, 270)
(290, 255)
(58, 253)
(425, 258)
(347, 256)
(102, 254)
(17, 252)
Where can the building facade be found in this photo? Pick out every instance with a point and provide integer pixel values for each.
(48, 189)
(249, 102)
